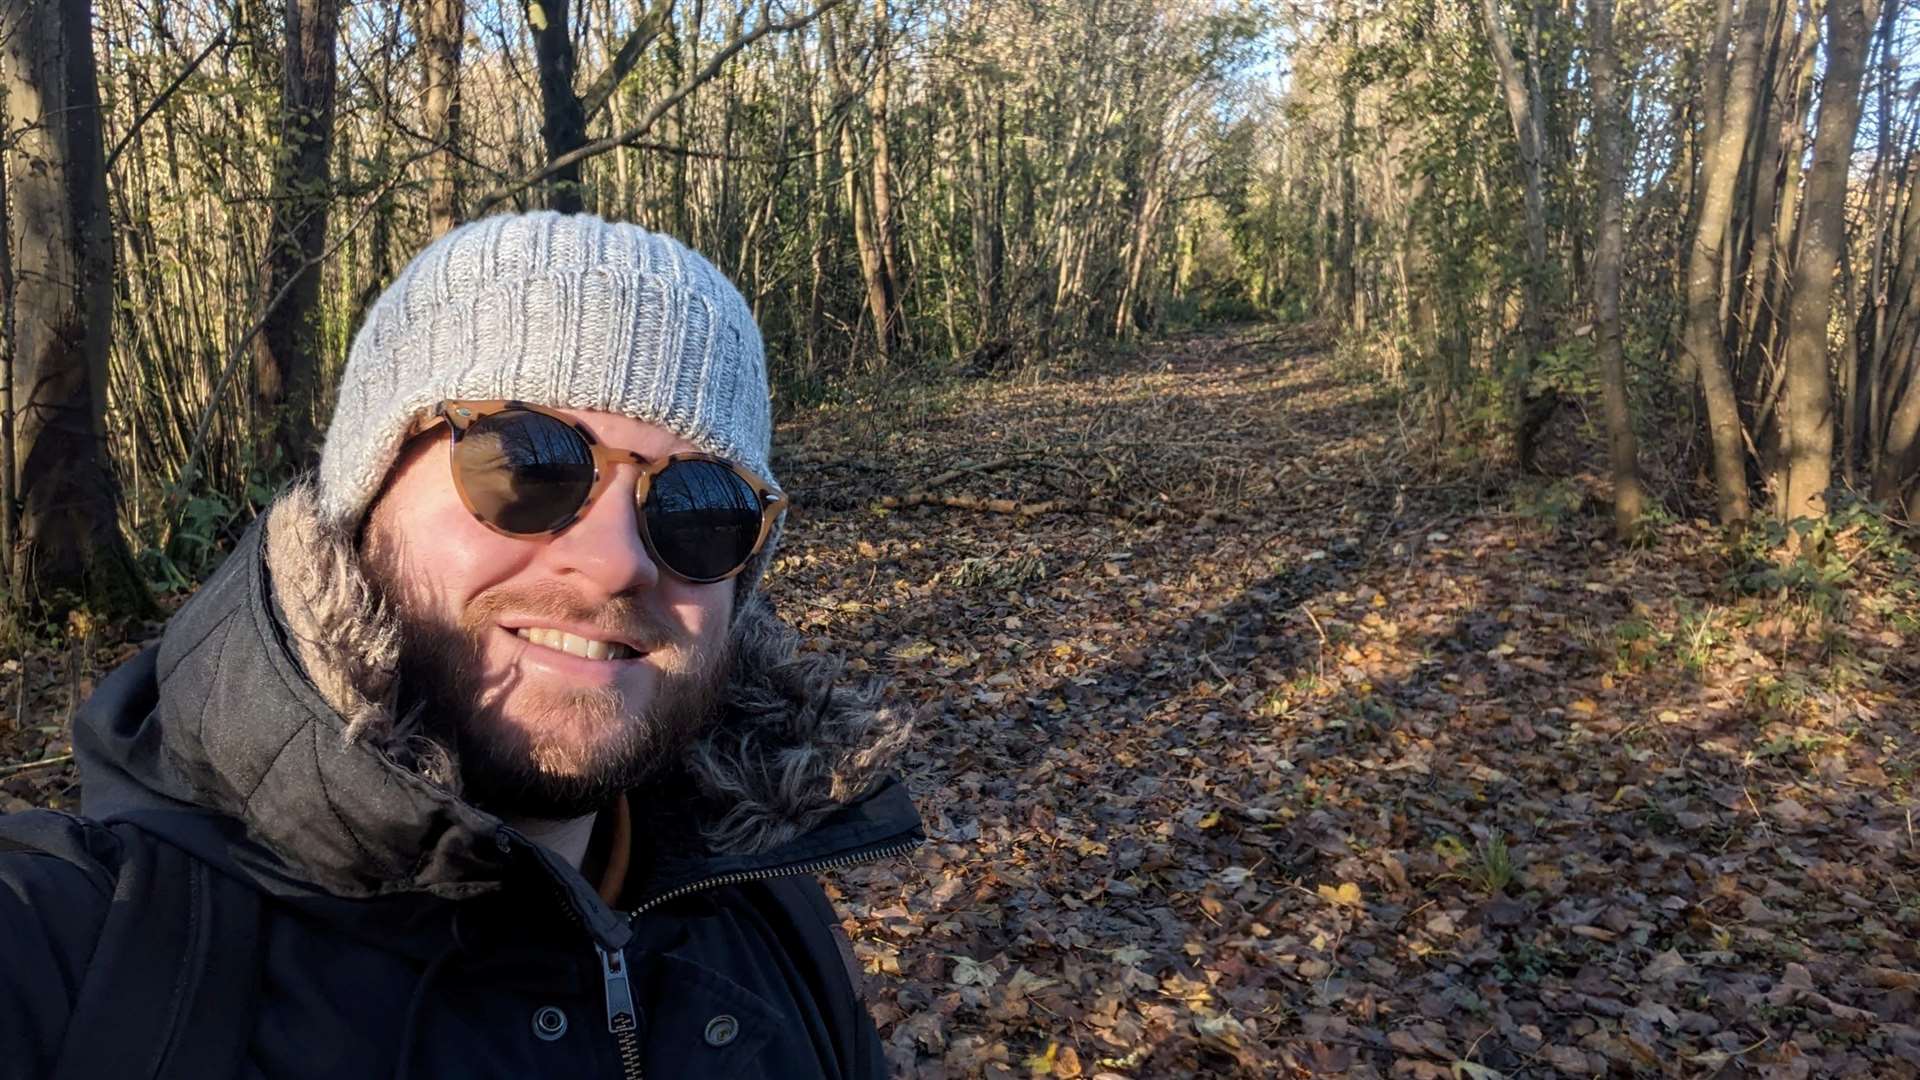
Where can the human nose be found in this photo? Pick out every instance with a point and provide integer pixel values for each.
(603, 546)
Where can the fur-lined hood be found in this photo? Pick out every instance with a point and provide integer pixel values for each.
(790, 748)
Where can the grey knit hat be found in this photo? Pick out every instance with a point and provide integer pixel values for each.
(566, 311)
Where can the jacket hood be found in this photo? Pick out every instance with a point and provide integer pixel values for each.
(270, 700)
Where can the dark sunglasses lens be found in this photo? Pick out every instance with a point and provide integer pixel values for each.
(524, 472)
(703, 519)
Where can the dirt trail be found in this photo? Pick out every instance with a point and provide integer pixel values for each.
(1309, 754)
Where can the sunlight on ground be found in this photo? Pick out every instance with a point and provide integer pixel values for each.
(1306, 758)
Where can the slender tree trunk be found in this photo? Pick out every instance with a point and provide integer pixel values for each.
(61, 292)
(821, 213)
(1786, 227)
(985, 221)
(563, 119)
(873, 260)
(440, 26)
(1769, 193)
(1806, 467)
(1897, 455)
(1870, 331)
(1523, 109)
(886, 225)
(287, 349)
(1346, 290)
(9, 343)
(1628, 499)
(1728, 121)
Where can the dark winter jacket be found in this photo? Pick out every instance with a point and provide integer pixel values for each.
(405, 932)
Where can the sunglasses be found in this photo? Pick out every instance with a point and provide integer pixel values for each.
(525, 471)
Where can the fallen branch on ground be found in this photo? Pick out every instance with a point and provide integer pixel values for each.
(991, 466)
(1136, 514)
(1006, 506)
(23, 766)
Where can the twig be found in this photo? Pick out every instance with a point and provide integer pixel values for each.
(23, 766)
(1317, 628)
(1751, 805)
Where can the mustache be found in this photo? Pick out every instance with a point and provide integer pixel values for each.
(622, 617)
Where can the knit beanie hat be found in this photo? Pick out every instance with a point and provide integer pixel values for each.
(565, 311)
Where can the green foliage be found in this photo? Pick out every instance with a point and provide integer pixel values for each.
(1553, 504)
(1492, 868)
(1487, 866)
(1814, 561)
(1697, 637)
(190, 542)
(1632, 644)
(1637, 644)
(1569, 369)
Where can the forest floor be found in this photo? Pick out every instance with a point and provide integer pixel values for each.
(1271, 741)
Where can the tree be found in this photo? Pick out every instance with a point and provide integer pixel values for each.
(1729, 103)
(1526, 110)
(59, 293)
(1806, 460)
(1608, 117)
(867, 195)
(1896, 454)
(440, 27)
(287, 349)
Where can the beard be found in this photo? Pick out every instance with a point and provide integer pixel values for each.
(562, 753)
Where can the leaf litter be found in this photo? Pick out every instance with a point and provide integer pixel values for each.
(1256, 739)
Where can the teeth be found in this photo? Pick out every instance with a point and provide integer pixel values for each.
(574, 645)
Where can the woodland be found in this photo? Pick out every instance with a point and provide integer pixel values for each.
(1395, 519)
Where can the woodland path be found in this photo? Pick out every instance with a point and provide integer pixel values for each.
(1282, 746)
(1316, 754)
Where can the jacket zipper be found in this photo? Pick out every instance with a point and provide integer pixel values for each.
(818, 866)
(623, 1017)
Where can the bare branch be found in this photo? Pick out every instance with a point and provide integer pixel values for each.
(649, 28)
(635, 134)
(160, 99)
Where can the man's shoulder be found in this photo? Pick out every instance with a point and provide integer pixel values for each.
(812, 928)
(54, 862)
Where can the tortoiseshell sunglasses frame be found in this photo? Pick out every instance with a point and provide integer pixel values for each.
(461, 415)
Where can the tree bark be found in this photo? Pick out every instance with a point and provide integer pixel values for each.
(1806, 467)
(1783, 121)
(1628, 498)
(440, 25)
(1523, 109)
(886, 225)
(563, 119)
(1728, 121)
(874, 272)
(1897, 456)
(287, 349)
(60, 292)
(1345, 274)
(983, 200)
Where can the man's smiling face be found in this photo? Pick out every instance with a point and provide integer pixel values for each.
(560, 670)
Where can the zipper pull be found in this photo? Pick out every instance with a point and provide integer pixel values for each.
(621, 1018)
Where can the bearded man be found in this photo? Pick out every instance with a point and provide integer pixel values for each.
(482, 755)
